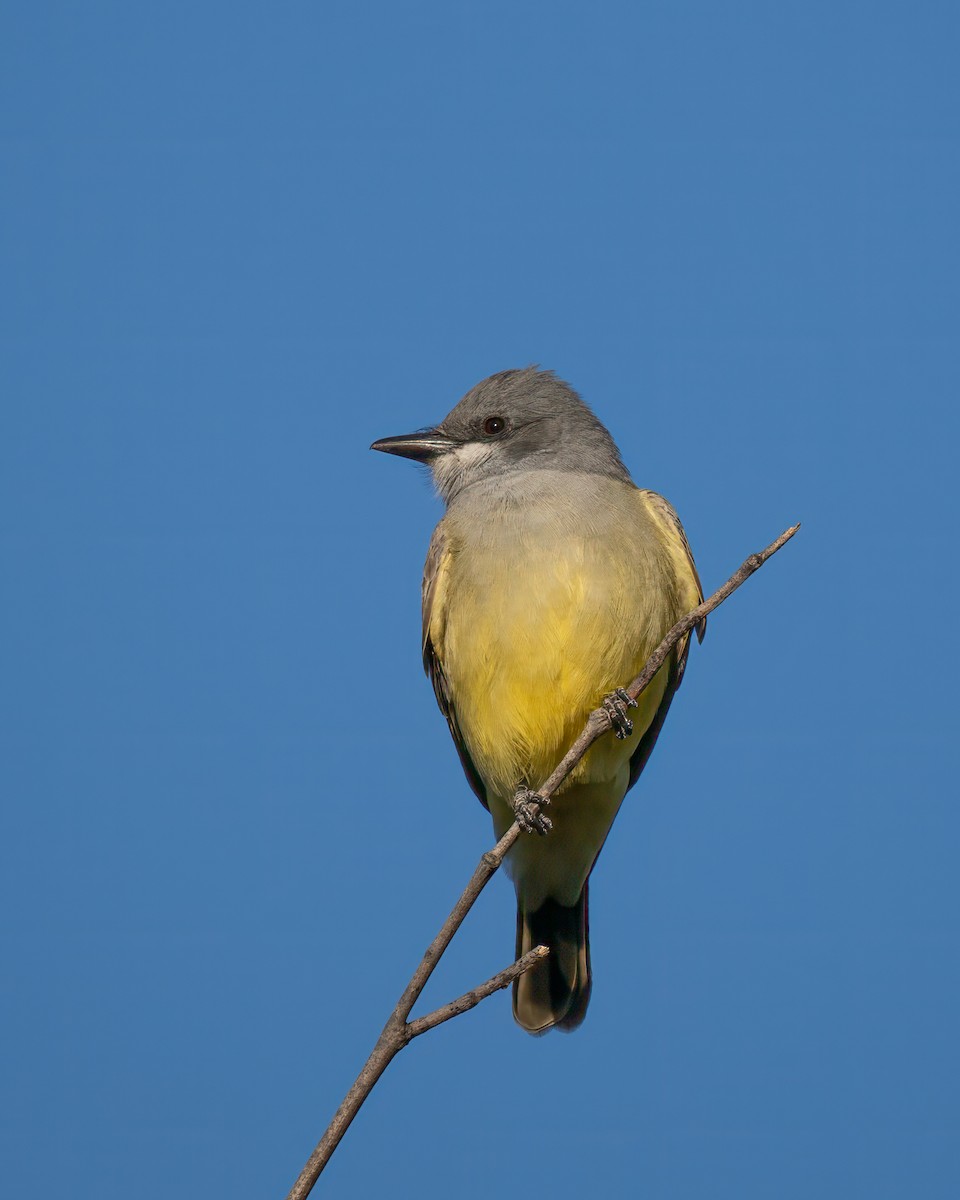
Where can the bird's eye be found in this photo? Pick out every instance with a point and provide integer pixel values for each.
(493, 426)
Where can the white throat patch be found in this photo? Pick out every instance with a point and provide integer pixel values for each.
(452, 469)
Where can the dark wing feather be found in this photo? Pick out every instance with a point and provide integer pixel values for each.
(701, 625)
(433, 666)
(638, 759)
(668, 515)
(678, 662)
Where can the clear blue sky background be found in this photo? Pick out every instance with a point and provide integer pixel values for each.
(241, 241)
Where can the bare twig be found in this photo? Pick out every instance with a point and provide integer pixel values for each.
(398, 1031)
(471, 999)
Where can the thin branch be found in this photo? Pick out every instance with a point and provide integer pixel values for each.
(599, 722)
(398, 1032)
(471, 999)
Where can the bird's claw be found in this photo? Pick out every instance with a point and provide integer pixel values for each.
(526, 806)
(615, 706)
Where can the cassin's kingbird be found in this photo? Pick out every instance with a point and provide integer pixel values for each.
(548, 583)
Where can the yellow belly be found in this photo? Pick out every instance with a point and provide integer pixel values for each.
(537, 624)
(530, 653)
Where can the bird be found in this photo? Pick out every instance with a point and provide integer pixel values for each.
(548, 583)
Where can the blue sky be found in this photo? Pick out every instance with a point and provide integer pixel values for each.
(239, 242)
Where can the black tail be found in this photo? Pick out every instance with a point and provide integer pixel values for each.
(556, 992)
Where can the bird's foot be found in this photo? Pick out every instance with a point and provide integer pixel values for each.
(526, 808)
(615, 706)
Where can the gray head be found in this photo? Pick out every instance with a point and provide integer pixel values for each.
(524, 420)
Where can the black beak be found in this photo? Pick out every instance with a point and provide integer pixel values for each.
(422, 446)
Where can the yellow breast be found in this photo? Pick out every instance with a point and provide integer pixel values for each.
(541, 614)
